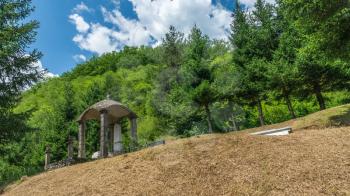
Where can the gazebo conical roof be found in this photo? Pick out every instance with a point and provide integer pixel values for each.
(114, 109)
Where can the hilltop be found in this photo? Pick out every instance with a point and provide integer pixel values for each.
(313, 160)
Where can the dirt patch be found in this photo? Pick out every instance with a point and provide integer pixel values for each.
(309, 162)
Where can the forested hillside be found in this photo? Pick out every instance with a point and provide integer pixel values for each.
(280, 62)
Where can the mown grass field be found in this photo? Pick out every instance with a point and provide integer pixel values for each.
(313, 160)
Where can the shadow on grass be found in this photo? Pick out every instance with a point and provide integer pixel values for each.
(341, 119)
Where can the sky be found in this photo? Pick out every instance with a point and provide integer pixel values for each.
(72, 31)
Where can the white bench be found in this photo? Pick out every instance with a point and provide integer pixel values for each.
(273, 132)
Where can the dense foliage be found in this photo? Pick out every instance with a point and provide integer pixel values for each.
(281, 61)
(17, 72)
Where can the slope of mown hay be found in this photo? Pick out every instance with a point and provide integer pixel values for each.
(307, 162)
(332, 117)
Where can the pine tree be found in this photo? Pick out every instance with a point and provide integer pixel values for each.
(172, 55)
(323, 56)
(198, 74)
(283, 76)
(17, 70)
(172, 44)
(254, 38)
(16, 63)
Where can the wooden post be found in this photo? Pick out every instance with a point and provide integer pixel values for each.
(81, 151)
(47, 157)
(103, 133)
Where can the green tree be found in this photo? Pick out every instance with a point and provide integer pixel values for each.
(16, 63)
(17, 70)
(328, 22)
(226, 83)
(322, 58)
(254, 38)
(198, 74)
(218, 48)
(172, 56)
(283, 75)
(173, 44)
(68, 106)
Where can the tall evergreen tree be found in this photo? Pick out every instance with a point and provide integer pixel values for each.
(172, 55)
(197, 73)
(172, 44)
(17, 70)
(323, 56)
(16, 63)
(254, 38)
(283, 77)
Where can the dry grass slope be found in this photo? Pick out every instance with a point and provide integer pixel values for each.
(332, 117)
(311, 161)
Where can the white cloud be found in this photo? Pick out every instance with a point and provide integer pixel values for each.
(79, 23)
(250, 3)
(157, 16)
(50, 75)
(81, 7)
(79, 58)
(39, 66)
(131, 32)
(154, 19)
(100, 39)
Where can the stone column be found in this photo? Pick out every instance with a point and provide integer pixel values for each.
(110, 137)
(117, 139)
(103, 134)
(70, 147)
(81, 151)
(133, 126)
(47, 157)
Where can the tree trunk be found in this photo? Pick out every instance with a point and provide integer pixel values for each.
(234, 123)
(290, 106)
(235, 126)
(261, 114)
(317, 90)
(207, 110)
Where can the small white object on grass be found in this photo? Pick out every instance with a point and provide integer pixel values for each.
(275, 132)
(96, 155)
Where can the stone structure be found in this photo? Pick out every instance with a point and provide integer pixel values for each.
(156, 143)
(61, 163)
(109, 113)
(47, 157)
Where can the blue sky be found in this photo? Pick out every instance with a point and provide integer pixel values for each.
(71, 31)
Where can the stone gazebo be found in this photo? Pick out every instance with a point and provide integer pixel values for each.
(109, 113)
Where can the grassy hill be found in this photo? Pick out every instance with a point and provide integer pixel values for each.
(333, 117)
(314, 160)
